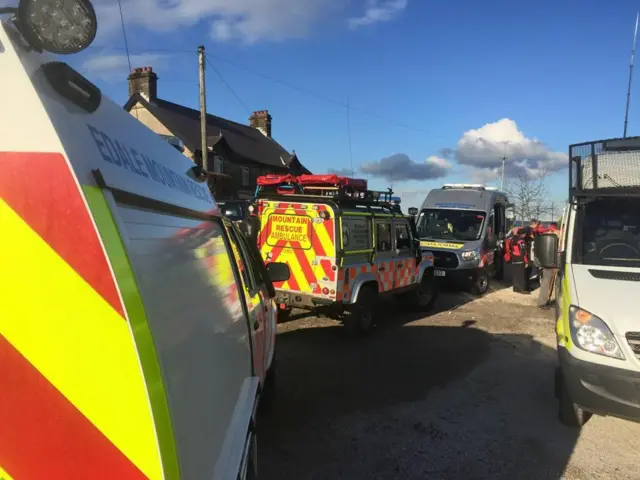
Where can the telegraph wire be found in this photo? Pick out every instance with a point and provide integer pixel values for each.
(213, 67)
(342, 104)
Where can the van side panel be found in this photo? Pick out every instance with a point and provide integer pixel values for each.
(193, 305)
(298, 235)
(132, 300)
(74, 402)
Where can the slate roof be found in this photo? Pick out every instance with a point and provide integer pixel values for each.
(246, 141)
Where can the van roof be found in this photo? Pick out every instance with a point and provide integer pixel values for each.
(463, 199)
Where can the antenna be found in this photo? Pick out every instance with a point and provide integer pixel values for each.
(349, 134)
(633, 53)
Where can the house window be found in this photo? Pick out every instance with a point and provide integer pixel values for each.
(245, 176)
(218, 164)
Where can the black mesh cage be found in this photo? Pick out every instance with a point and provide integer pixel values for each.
(604, 166)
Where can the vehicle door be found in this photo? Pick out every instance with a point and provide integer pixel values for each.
(255, 297)
(266, 293)
(403, 254)
(487, 251)
(384, 253)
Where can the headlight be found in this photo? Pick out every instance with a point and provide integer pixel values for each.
(591, 334)
(470, 255)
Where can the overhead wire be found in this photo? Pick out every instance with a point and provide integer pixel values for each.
(310, 93)
(213, 67)
(126, 43)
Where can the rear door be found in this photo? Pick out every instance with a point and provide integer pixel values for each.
(302, 235)
(404, 258)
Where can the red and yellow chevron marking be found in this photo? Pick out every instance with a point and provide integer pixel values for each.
(304, 255)
(4, 475)
(73, 400)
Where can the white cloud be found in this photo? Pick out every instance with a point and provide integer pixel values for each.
(377, 11)
(400, 168)
(245, 20)
(484, 147)
(116, 67)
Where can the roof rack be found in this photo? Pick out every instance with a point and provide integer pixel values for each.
(467, 186)
(339, 188)
(605, 168)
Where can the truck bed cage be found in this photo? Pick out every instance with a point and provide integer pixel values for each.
(605, 168)
(345, 191)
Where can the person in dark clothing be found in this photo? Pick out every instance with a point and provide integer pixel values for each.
(518, 256)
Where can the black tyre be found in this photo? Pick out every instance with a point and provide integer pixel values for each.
(570, 414)
(425, 295)
(480, 282)
(359, 320)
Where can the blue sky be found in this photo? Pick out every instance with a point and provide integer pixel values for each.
(435, 88)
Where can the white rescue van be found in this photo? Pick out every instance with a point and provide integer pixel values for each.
(136, 329)
(598, 285)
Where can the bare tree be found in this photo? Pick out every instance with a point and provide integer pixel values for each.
(528, 195)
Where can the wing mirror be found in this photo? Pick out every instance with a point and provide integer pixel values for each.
(278, 272)
(413, 211)
(546, 248)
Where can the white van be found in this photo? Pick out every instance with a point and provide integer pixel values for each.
(598, 288)
(136, 328)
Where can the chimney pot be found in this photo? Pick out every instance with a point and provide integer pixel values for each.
(261, 120)
(144, 81)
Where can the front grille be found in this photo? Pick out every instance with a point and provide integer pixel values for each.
(615, 275)
(445, 259)
(633, 339)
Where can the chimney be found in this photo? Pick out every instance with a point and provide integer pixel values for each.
(262, 121)
(144, 81)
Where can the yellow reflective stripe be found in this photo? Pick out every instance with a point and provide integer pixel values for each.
(564, 308)
(323, 236)
(4, 475)
(76, 340)
(357, 252)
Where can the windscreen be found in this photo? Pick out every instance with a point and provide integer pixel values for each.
(461, 225)
(609, 234)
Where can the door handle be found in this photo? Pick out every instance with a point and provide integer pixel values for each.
(256, 325)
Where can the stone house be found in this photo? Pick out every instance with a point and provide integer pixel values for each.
(237, 154)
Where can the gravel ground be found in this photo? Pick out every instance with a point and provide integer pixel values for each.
(465, 393)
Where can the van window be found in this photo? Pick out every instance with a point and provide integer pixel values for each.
(383, 237)
(252, 275)
(356, 233)
(608, 233)
(463, 225)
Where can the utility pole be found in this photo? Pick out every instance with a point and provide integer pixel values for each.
(504, 158)
(633, 53)
(203, 110)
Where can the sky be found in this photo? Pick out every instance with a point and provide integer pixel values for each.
(414, 93)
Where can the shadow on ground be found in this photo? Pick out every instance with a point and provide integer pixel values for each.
(413, 402)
